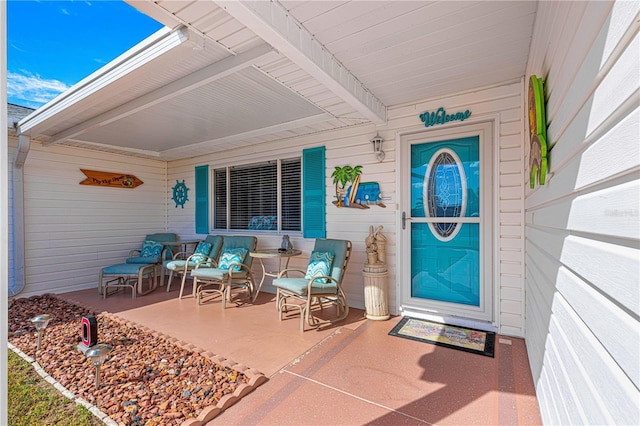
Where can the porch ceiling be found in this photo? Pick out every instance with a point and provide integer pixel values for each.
(229, 74)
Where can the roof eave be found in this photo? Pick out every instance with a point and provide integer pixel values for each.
(151, 48)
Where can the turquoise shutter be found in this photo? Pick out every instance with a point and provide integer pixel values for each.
(202, 199)
(313, 193)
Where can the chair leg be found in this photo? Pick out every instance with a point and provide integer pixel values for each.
(168, 282)
(195, 292)
(200, 292)
(342, 304)
(226, 294)
(184, 278)
(144, 271)
(120, 282)
(100, 288)
(308, 316)
(281, 302)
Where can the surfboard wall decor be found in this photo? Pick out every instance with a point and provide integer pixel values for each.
(114, 180)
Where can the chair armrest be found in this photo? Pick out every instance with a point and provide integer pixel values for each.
(310, 283)
(241, 266)
(209, 262)
(134, 251)
(166, 253)
(181, 255)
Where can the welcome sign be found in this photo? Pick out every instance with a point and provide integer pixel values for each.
(440, 116)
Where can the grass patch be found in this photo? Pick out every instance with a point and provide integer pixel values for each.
(33, 401)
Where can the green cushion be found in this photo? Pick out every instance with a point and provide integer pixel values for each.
(174, 265)
(142, 260)
(178, 265)
(339, 248)
(299, 286)
(122, 269)
(216, 244)
(210, 273)
(215, 274)
(319, 265)
(230, 256)
(162, 237)
(240, 241)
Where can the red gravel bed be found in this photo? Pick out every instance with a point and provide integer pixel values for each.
(147, 379)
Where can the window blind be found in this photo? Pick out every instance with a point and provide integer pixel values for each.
(291, 195)
(264, 196)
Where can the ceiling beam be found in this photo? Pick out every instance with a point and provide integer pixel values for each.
(271, 22)
(213, 72)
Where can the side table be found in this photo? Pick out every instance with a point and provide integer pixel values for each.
(283, 257)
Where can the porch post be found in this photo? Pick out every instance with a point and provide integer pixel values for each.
(4, 210)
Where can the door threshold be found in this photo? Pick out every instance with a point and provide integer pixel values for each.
(449, 319)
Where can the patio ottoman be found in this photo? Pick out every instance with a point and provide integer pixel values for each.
(129, 275)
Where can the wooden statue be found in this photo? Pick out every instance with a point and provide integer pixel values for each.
(376, 247)
(381, 242)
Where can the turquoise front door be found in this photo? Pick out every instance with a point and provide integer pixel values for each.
(445, 221)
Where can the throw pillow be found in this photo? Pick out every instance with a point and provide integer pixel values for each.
(319, 265)
(151, 249)
(201, 252)
(230, 256)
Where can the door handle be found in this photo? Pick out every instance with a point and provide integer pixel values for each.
(404, 220)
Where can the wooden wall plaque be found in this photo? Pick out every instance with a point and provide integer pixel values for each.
(115, 180)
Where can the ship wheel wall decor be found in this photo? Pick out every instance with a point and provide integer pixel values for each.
(180, 194)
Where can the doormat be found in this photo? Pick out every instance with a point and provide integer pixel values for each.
(451, 336)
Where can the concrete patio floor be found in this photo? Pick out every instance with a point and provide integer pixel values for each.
(351, 373)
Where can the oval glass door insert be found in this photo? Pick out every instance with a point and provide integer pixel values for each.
(445, 193)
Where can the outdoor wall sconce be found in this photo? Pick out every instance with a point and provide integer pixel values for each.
(40, 323)
(377, 147)
(98, 355)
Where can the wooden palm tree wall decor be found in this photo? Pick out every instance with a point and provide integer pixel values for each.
(359, 194)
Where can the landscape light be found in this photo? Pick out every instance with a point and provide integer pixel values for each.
(40, 322)
(98, 355)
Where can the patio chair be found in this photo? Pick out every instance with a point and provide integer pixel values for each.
(205, 253)
(127, 275)
(150, 253)
(321, 283)
(152, 250)
(233, 271)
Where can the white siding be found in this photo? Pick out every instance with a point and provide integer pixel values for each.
(73, 230)
(583, 226)
(352, 146)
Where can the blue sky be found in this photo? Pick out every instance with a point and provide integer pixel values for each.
(51, 45)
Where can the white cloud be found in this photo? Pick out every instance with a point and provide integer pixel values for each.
(31, 90)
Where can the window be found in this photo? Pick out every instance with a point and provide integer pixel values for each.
(262, 196)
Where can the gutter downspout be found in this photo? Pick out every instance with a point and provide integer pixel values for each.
(24, 145)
